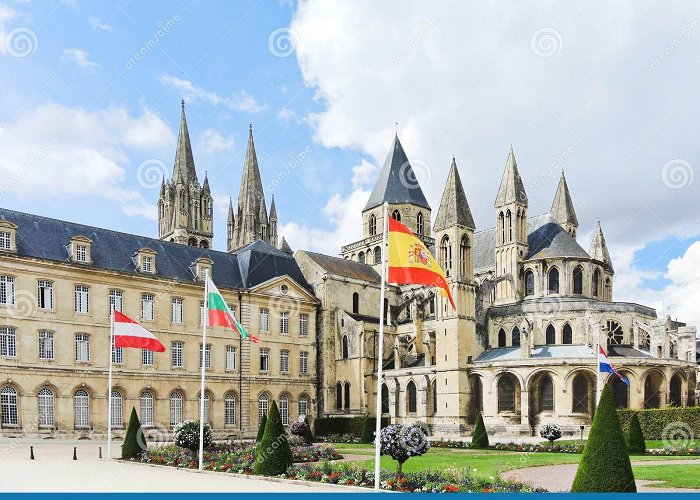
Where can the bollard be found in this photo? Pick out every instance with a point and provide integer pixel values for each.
(31, 453)
(75, 453)
(100, 452)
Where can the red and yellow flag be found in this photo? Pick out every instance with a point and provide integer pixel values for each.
(410, 262)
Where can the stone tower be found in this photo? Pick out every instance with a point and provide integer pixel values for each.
(601, 282)
(185, 209)
(511, 232)
(250, 221)
(563, 208)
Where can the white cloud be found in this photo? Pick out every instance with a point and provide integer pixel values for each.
(6, 14)
(81, 58)
(239, 100)
(211, 142)
(364, 174)
(98, 25)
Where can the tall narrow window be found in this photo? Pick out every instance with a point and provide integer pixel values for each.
(550, 335)
(284, 361)
(8, 341)
(82, 347)
(501, 338)
(117, 409)
(385, 399)
(263, 403)
(355, 303)
(7, 290)
(44, 294)
(553, 279)
(46, 408)
(45, 344)
(175, 408)
(177, 352)
(116, 300)
(303, 363)
(446, 255)
(147, 409)
(5, 240)
(377, 255)
(207, 407)
(82, 299)
(567, 334)
(284, 409)
(230, 358)
(229, 409)
(346, 396)
(81, 253)
(411, 396)
(177, 310)
(529, 283)
(419, 223)
(338, 396)
(433, 392)
(264, 319)
(303, 406)
(509, 226)
(580, 394)
(464, 256)
(578, 280)
(303, 325)
(264, 360)
(345, 354)
(207, 356)
(546, 394)
(147, 306)
(595, 283)
(502, 227)
(372, 225)
(202, 313)
(82, 409)
(515, 337)
(507, 394)
(284, 323)
(147, 264)
(9, 407)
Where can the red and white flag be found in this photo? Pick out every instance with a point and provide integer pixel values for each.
(128, 333)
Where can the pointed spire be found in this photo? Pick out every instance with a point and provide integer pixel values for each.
(284, 246)
(162, 187)
(511, 189)
(397, 182)
(273, 209)
(562, 206)
(184, 161)
(205, 187)
(230, 210)
(454, 208)
(599, 249)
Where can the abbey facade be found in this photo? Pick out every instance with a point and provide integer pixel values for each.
(532, 304)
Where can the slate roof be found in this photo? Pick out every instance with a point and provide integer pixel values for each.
(397, 182)
(454, 208)
(546, 351)
(545, 239)
(563, 206)
(45, 238)
(345, 267)
(511, 189)
(184, 161)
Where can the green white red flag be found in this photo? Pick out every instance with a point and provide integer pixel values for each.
(220, 314)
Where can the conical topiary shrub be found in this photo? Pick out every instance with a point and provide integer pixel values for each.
(369, 426)
(308, 435)
(480, 439)
(605, 464)
(274, 456)
(134, 440)
(261, 428)
(635, 437)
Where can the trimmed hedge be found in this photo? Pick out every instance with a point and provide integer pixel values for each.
(132, 448)
(654, 421)
(480, 438)
(261, 428)
(325, 426)
(274, 456)
(635, 437)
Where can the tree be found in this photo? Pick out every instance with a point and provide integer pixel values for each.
(302, 429)
(635, 437)
(134, 441)
(550, 432)
(480, 439)
(402, 442)
(308, 435)
(605, 463)
(274, 456)
(187, 436)
(261, 428)
(369, 426)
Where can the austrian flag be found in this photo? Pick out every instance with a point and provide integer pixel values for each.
(128, 333)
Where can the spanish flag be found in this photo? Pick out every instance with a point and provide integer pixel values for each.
(410, 262)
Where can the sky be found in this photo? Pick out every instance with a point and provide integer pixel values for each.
(90, 102)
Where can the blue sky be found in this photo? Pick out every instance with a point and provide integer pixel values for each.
(607, 93)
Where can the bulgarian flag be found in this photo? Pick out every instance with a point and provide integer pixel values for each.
(220, 314)
(128, 333)
(410, 262)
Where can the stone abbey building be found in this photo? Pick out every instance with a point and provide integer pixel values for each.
(531, 305)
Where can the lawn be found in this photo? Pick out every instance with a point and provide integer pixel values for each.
(673, 476)
(652, 444)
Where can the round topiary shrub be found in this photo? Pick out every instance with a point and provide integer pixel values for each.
(480, 439)
(134, 440)
(402, 442)
(274, 455)
(635, 437)
(186, 436)
(550, 432)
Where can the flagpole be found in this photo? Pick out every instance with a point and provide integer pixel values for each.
(597, 354)
(380, 354)
(203, 362)
(109, 383)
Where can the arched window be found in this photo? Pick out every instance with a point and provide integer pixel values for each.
(502, 227)
(347, 396)
(507, 393)
(117, 409)
(464, 256)
(81, 402)
(546, 394)
(578, 280)
(567, 335)
(229, 409)
(595, 283)
(345, 354)
(509, 226)
(284, 409)
(361, 257)
(207, 407)
(529, 283)
(377, 255)
(446, 254)
(419, 223)
(147, 409)
(192, 242)
(608, 289)
(580, 394)
(501, 338)
(550, 335)
(652, 391)
(175, 408)
(515, 337)
(355, 303)
(553, 280)
(338, 396)
(408, 308)
(674, 395)
(411, 397)
(433, 393)
(396, 215)
(372, 225)
(385, 399)
(620, 392)
(46, 408)
(263, 406)
(9, 407)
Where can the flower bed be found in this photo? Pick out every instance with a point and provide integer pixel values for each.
(519, 447)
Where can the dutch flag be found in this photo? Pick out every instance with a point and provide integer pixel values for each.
(604, 365)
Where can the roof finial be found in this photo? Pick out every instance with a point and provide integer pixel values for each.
(396, 128)
(250, 127)
(182, 104)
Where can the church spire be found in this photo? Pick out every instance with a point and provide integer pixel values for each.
(454, 208)
(563, 207)
(205, 186)
(599, 249)
(184, 161)
(511, 189)
(230, 210)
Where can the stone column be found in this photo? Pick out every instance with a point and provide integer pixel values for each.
(524, 408)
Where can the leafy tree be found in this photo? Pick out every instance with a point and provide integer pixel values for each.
(480, 439)
(605, 463)
(402, 442)
(635, 437)
(187, 436)
(134, 441)
(550, 432)
(274, 455)
(261, 428)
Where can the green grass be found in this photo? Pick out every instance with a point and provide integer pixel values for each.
(652, 444)
(673, 476)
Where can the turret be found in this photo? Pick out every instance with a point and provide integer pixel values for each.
(602, 273)
(563, 207)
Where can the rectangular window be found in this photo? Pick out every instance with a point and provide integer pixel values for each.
(177, 350)
(4, 240)
(303, 325)
(202, 313)
(81, 253)
(264, 320)
(284, 361)
(303, 363)
(116, 300)
(7, 290)
(82, 347)
(207, 356)
(284, 323)
(8, 341)
(44, 294)
(82, 299)
(45, 344)
(147, 358)
(147, 306)
(264, 360)
(117, 354)
(177, 311)
(147, 264)
(230, 358)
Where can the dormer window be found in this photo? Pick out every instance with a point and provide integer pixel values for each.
(80, 249)
(202, 268)
(81, 253)
(7, 236)
(147, 264)
(145, 260)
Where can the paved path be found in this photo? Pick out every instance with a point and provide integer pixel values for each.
(561, 477)
(55, 470)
